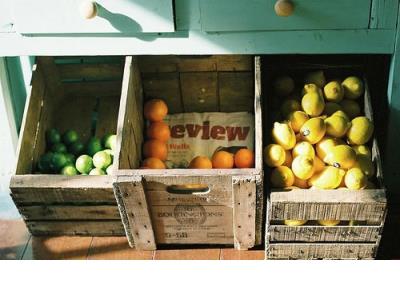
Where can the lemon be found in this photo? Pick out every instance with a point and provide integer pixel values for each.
(294, 222)
(329, 178)
(311, 87)
(351, 108)
(319, 165)
(355, 179)
(303, 148)
(303, 167)
(300, 183)
(315, 77)
(313, 104)
(283, 134)
(360, 131)
(288, 159)
(297, 119)
(337, 126)
(341, 114)
(341, 156)
(290, 105)
(282, 177)
(313, 130)
(365, 164)
(329, 222)
(333, 91)
(325, 145)
(331, 107)
(362, 150)
(353, 87)
(283, 85)
(274, 155)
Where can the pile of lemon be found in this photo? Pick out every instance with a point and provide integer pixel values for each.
(322, 140)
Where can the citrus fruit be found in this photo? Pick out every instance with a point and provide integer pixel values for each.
(69, 170)
(110, 152)
(58, 161)
(325, 145)
(333, 92)
(341, 156)
(222, 159)
(337, 126)
(353, 87)
(59, 148)
(313, 130)
(297, 119)
(288, 159)
(84, 164)
(300, 183)
(155, 110)
(341, 114)
(274, 155)
(44, 164)
(283, 85)
(365, 164)
(355, 179)
(109, 170)
(329, 222)
(283, 134)
(303, 148)
(330, 108)
(70, 158)
(93, 146)
(329, 178)
(159, 130)
(315, 77)
(360, 131)
(76, 148)
(313, 104)
(350, 107)
(155, 149)
(153, 163)
(319, 165)
(294, 222)
(310, 87)
(362, 150)
(200, 162)
(110, 141)
(290, 105)
(53, 136)
(282, 177)
(244, 158)
(97, 171)
(70, 136)
(303, 167)
(102, 160)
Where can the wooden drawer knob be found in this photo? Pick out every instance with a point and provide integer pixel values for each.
(284, 8)
(88, 9)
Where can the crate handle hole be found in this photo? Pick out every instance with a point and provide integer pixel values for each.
(191, 189)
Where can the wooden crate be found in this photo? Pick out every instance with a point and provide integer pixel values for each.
(313, 241)
(152, 210)
(80, 93)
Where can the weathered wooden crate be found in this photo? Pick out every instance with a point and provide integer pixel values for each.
(68, 93)
(313, 241)
(158, 206)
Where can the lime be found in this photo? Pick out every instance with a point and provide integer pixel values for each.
(53, 136)
(76, 148)
(93, 146)
(109, 151)
(109, 170)
(69, 170)
(59, 148)
(44, 164)
(84, 164)
(97, 171)
(70, 136)
(110, 141)
(58, 161)
(70, 158)
(102, 160)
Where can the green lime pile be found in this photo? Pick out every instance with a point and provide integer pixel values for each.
(67, 155)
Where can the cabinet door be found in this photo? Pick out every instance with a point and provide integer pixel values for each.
(239, 15)
(113, 16)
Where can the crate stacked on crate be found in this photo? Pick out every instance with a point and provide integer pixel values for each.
(80, 95)
(186, 205)
(320, 206)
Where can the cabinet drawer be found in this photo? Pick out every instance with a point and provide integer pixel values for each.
(238, 15)
(113, 16)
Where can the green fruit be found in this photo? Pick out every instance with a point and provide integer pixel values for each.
(109, 170)
(53, 136)
(110, 141)
(70, 158)
(70, 136)
(44, 164)
(102, 160)
(97, 171)
(77, 148)
(59, 148)
(84, 164)
(93, 146)
(109, 151)
(69, 170)
(58, 161)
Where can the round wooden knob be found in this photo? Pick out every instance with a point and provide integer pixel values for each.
(284, 8)
(88, 9)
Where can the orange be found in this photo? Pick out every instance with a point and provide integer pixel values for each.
(159, 130)
(153, 163)
(155, 110)
(200, 162)
(244, 158)
(155, 149)
(222, 159)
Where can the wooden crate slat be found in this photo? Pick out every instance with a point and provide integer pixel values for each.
(236, 91)
(92, 88)
(90, 71)
(107, 116)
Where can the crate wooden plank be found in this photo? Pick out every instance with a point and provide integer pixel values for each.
(321, 251)
(93, 88)
(282, 233)
(90, 71)
(107, 116)
(236, 91)
(258, 115)
(71, 228)
(69, 212)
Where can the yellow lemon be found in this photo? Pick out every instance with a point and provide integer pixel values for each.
(360, 131)
(319, 165)
(355, 179)
(311, 87)
(274, 155)
(341, 114)
(313, 104)
(294, 222)
(313, 130)
(283, 134)
(303, 148)
(303, 167)
(288, 159)
(325, 145)
(290, 105)
(300, 183)
(341, 156)
(329, 178)
(315, 77)
(297, 119)
(366, 165)
(329, 222)
(353, 87)
(330, 108)
(333, 91)
(282, 177)
(337, 126)
(362, 150)
(283, 85)
(351, 108)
